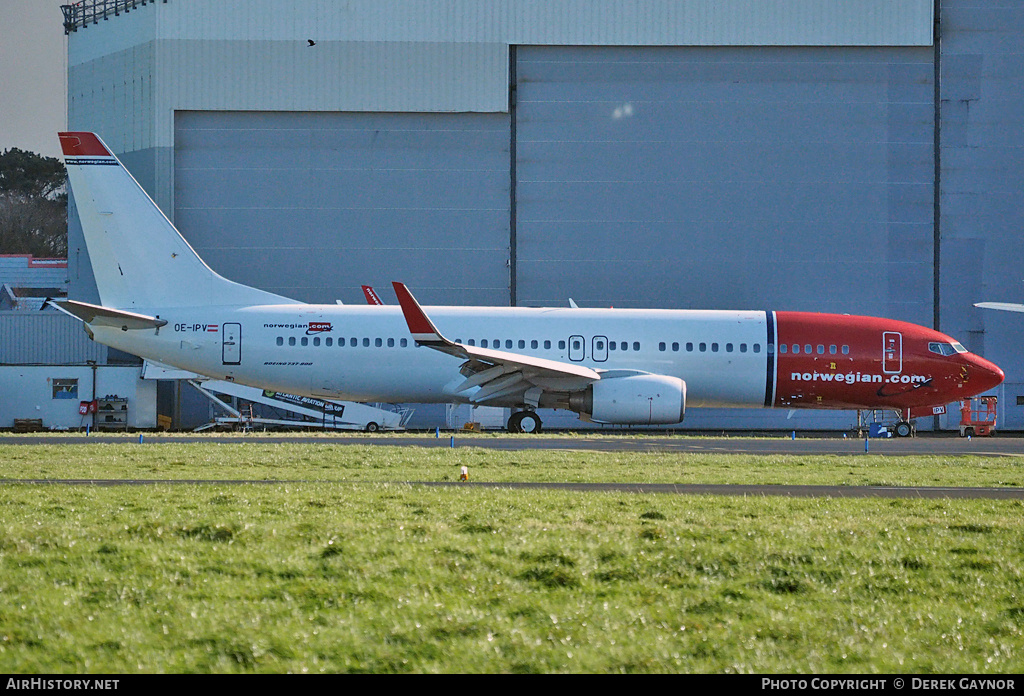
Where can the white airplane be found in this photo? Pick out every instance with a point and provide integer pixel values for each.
(160, 301)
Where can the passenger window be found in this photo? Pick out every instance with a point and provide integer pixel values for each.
(403, 343)
(472, 341)
(783, 347)
(743, 347)
(280, 340)
(353, 342)
(522, 344)
(316, 341)
(832, 350)
(703, 347)
(328, 341)
(689, 347)
(600, 345)
(547, 345)
(846, 350)
(612, 345)
(366, 343)
(728, 347)
(714, 347)
(576, 344)
(561, 345)
(675, 347)
(291, 340)
(483, 343)
(661, 346)
(757, 347)
(623, 346)
(533, 344)
(821, 349)
(807, 348)
(508, 343)
(771, 349)
(377, 343)
(391, 342)
(636, 345)
(796, 349)
(305, 341)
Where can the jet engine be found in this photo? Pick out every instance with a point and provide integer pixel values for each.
(638, 399)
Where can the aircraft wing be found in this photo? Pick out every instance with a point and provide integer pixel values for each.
(497, 373)
(1005, 306)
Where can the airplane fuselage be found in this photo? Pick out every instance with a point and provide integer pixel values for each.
(727, 358)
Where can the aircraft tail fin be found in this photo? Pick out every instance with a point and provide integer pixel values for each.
(138, 258)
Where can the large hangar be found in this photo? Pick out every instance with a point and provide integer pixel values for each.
(858, 157)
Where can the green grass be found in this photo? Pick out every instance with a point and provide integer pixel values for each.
(347, 572)
(376, 463)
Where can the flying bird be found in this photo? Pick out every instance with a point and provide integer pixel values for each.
(311, 42)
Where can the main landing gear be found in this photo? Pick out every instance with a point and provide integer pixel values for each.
(524, 422)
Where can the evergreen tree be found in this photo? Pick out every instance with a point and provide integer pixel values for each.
(33, 205)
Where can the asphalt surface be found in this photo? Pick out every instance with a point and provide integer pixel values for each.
(998, 446)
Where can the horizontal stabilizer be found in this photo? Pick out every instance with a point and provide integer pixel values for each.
(95, 315)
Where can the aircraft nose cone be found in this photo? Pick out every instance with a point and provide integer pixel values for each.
(984, 374)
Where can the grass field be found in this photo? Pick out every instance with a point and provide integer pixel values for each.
(352, 570)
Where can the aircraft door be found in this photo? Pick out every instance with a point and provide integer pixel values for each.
(892, 352)
(599, 349)
(231, 344)
(577, 348)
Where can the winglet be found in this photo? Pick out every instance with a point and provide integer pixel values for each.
(422, 329)
(371, 296)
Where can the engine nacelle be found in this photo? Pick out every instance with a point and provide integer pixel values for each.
(633, 400)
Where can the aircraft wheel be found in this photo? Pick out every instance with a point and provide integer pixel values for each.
(515, 422)
(372, 427)
(529, 422)
(524, 422)
(969, 432)
(903, 429)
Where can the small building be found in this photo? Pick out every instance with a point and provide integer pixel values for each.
(49, 366)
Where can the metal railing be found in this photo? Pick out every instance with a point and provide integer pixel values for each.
(86, 12)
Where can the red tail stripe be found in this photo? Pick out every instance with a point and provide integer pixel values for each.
(82, 145)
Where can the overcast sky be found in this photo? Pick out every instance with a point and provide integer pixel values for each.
(33, 75)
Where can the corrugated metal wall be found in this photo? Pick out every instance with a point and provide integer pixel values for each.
(311, 206)
(733, 178)
(46, 338)
(982, 186)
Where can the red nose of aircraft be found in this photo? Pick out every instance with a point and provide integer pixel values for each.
(982, 374)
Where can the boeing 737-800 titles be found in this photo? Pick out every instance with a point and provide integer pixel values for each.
(159, 300)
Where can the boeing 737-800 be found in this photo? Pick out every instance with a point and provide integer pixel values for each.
(159, 300)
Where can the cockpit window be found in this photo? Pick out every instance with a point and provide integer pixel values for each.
(946, 348)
